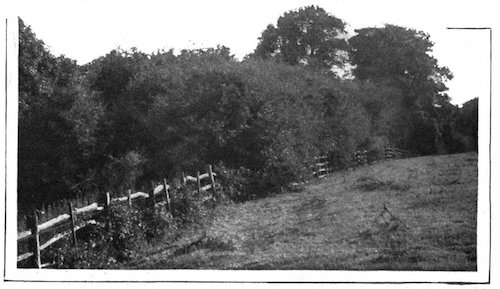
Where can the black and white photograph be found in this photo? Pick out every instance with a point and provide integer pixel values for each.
(248, 142)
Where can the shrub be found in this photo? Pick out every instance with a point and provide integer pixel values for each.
(119, 234)
(243, 184)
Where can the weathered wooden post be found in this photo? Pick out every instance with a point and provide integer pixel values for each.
(73, 226)
(107, 203)
(183, 179)
(108, 200)
(212, 179)
(167, 195)
(129, 199)
(198, 181)
(49, 210)
(316, 161)
(35, 242)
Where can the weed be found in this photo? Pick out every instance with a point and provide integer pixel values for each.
(391, 236)
(118, 236)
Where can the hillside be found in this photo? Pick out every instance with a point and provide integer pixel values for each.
(408, 214)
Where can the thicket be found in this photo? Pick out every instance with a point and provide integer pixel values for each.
(129, 117)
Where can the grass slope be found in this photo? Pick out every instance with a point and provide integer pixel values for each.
(410, 214)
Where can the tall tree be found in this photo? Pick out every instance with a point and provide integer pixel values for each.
(401, 57)
(467, 122)
(56, 122)
(309, 36)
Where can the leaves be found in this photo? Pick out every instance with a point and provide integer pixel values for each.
(129, 117)
(308, 36)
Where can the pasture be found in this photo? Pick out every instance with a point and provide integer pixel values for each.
(406, 214)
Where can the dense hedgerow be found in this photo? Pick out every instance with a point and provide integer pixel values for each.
(129, 117)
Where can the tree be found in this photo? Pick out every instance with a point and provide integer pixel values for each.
(308, 36)
(467, 122)
(56, 122)
(401, 57)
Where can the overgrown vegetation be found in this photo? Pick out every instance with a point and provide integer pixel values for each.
(334, 225)
(121, 233)
(129, 117)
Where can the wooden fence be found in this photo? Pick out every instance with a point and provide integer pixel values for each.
(395, 153)
(360, 157)
(67, 225)
(322, 167)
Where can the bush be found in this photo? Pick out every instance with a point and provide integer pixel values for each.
(118, 236)
(243, 184)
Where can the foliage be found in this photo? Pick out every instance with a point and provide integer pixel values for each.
(57, 122)
(308, 36)
(128, 117)
(118, 236)
(467, 123)
(402, 56)
(243, 114)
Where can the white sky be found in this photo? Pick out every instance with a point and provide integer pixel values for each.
(84, 30)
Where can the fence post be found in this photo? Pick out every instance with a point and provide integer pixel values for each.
(167, 195)
(72, 217)
(198, 181)
(129, 199)
(316, 165)
(212, 179)
(49, 210)
(35, 243)
(107, 204)
(183, 179)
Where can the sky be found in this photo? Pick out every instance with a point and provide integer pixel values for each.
(86, 29)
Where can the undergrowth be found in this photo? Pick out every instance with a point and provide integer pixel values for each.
(122, 233)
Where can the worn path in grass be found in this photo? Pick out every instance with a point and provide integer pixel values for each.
(410, 214)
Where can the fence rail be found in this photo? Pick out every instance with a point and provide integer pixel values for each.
(322, 166)
(395, 153)
(35, 230)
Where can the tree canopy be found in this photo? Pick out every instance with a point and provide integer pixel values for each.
(308, 36)
(58, 118)
(402, 57)
(129, 117)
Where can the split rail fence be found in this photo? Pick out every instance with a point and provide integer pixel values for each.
(322, 166)
(66, 225)
(395, 153)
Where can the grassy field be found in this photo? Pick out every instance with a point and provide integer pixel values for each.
(409, 214)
